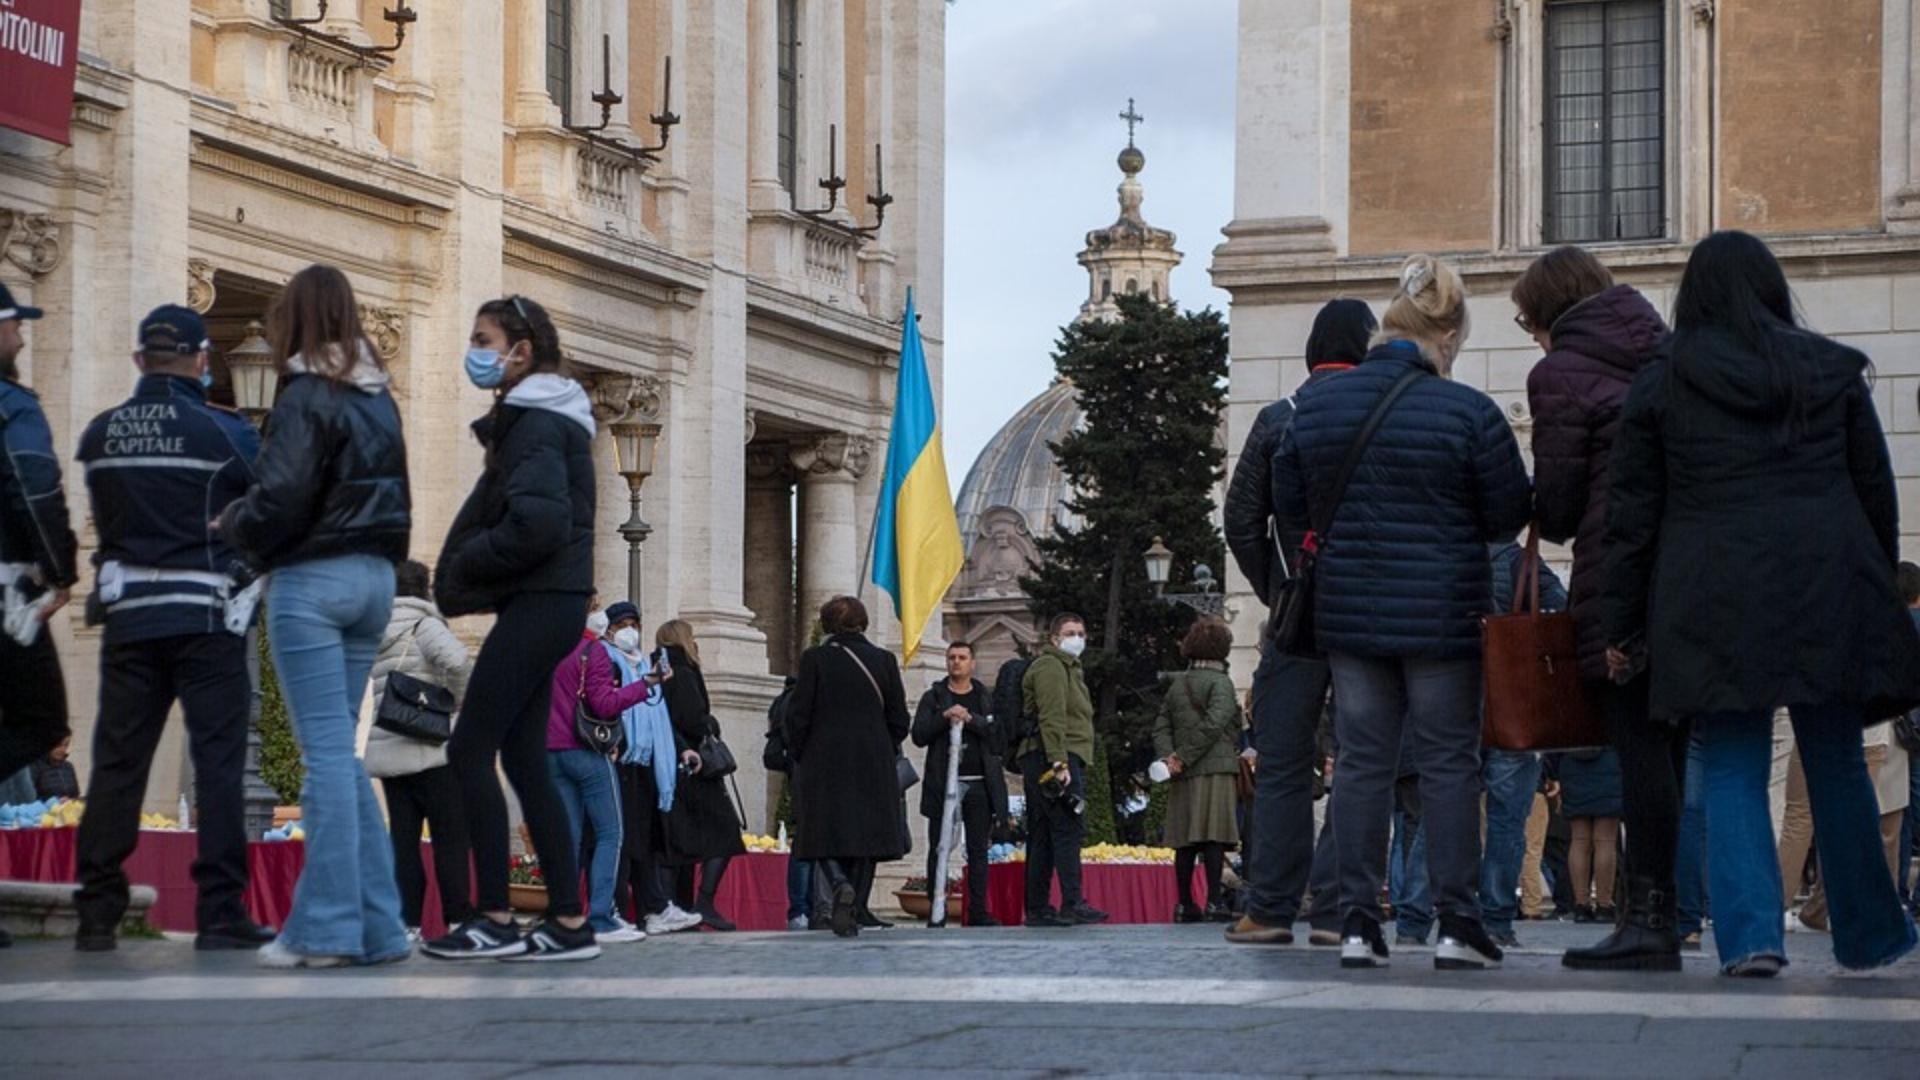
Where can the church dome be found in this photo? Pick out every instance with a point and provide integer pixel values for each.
(1017, 469)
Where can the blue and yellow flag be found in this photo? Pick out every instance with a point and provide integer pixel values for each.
(916, 541)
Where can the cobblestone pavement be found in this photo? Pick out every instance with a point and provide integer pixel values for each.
(1093, 1001)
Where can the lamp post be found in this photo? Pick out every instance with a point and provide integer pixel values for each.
(250, 367)
(1159, 562)
(634, 442)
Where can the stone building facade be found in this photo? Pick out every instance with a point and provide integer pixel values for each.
(218, 148)
(1492, 131)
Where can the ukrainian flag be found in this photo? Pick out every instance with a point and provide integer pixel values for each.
(916, 535)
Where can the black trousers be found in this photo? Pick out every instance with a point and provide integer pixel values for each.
(638, 881)
(505, 718)
(1054, 833)
(432, 796)
(977, 813)
(33, 702)
(1653, 780)
(139, 682)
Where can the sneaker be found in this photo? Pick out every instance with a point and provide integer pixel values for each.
(869, 921)
(1323, 937)
(479, 938)
(1084, 914)
(275, 954)
(845, 917)
(1251, 931)
(1506, 939)
(799, 922)
(551, 941)
(239, 934)
(1362, 945)
(1047, 918)
(620, 933)
(1187, 913)
(1757, 967)
(1465, 946)
(414, 937)
(671, 921)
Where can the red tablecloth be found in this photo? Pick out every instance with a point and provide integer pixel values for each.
(1131, 893)
(753, 894)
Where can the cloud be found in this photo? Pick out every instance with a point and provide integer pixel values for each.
(1034, 89)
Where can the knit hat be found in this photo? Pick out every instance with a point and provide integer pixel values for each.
(1340, 333)
(622, 609)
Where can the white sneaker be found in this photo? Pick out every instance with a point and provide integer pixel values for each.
(798, 922)
(671, 921)
(276, 955)
(623, 931)
(413, 935)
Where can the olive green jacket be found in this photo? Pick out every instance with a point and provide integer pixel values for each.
(1055, 690)
(1200, 721)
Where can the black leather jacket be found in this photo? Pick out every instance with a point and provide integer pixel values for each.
(331, 479)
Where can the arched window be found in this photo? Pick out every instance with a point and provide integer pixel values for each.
(1133, 286)
(1106, 288)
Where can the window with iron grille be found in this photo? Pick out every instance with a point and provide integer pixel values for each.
(787, 14)
(560, 56)
(1605, 147)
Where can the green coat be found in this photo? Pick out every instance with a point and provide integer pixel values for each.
(1200, 721)
(1055, 690)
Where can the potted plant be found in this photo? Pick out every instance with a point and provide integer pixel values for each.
(526, 888)
(914, 900)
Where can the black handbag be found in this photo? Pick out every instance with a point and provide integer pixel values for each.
(604, 737)
(1290, 623)
(716, 757)
(415, 708)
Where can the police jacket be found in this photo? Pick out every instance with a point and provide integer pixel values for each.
(332, 477)
(160, 466)
(1403, 570)
(33, 508)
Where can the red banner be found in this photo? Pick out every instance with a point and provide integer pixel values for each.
(39, 44)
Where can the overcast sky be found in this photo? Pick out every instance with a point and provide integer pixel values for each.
(1034, 92)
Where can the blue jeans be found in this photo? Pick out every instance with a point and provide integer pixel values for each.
(1407, 878)
(589, 788)
(1511, 780)
(1870, 928)
(324, 620)
(799, 889)
(1690, 858)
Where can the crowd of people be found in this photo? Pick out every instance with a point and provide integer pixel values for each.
(1736, 588)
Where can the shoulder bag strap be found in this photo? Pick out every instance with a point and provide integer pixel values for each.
(1352, 463)
(581, 694)
(1527, 589)
(871, 681)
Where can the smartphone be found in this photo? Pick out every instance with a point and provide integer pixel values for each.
(661, 663)
(1635, 649)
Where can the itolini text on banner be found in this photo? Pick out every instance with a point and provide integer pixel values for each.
(39, 45)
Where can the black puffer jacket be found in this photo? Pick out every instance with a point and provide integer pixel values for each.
(1575, 394)
(331, 478)
(1754, 548)
(528, 525)
(1403, 570)
(1248, 517)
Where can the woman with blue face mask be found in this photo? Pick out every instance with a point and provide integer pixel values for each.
(521, 549)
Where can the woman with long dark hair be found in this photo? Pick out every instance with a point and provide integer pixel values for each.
(1753, 533)
(329, 514)
(702, 827)
(521, 548)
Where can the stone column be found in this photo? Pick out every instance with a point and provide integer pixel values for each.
(763, 106)
(823, 97)
(531, 105)
(769, 550)
(830, 470)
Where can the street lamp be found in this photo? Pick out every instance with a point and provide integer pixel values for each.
(1159, 564)
(634, 442)
(250, 367)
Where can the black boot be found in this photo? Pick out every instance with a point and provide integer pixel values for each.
(1644, 939)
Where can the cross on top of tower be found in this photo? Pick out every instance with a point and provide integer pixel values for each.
(1132, 118)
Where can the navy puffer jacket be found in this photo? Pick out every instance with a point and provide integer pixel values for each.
(1403, 570)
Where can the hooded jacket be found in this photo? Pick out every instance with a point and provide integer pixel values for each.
(331, 478)
(1575, 395)
(417, 642)
(1754, 542)
(528, 525)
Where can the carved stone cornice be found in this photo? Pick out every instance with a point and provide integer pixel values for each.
(619, 395)
(200, 287)
(838, 454)
(30, 242)
(219, 158)
(1703, 12)
(383, 326)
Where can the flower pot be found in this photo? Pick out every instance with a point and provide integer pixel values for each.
(916, 904)
(528, 898)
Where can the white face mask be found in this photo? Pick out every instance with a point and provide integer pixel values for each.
(597, 623)
(627, 639)
(1074, 645)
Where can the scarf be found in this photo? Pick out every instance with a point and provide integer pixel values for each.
(649, 732)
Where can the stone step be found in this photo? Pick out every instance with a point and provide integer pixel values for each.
(42, 909)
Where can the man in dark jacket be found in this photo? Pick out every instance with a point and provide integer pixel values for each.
(1289, 692)
(160, 466)
(958, 702)
(36, 561)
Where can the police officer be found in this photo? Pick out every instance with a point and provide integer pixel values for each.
(160, 467)
(36, 561)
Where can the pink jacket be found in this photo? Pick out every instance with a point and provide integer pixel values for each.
(604, 694)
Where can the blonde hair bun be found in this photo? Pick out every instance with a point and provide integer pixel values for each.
(1429, 301)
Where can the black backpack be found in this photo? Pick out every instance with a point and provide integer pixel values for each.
(775, 756)
(1010, 706)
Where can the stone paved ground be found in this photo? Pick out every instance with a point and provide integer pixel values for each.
(1100, 1001)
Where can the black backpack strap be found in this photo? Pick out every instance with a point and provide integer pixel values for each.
(1324, 521)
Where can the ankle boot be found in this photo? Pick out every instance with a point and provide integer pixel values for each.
(1643, 940)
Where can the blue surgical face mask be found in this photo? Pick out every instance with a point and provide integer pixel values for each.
(485, 368)
(206, 380)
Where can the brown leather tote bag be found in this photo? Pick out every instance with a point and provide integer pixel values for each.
(1535, 699)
